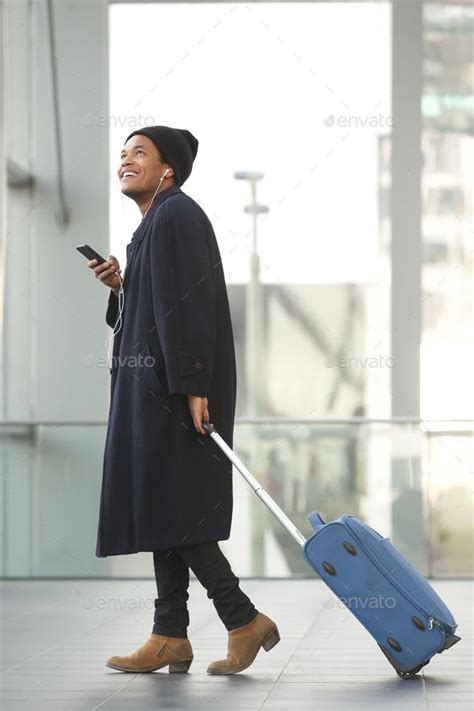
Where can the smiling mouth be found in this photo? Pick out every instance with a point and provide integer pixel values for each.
(128, 175)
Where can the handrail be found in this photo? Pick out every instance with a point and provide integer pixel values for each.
(264, 421)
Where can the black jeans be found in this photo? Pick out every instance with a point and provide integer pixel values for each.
(212, 569)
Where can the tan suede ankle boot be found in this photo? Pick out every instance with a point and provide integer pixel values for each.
(244, 643)
(157, 652)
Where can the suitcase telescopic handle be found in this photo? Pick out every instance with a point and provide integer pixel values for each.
(256, 486)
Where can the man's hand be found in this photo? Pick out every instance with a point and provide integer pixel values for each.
(199, 411)
(108, 272)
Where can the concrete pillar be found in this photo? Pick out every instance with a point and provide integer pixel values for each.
(55, 336)
(407, 46)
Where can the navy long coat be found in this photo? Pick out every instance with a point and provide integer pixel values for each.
(164, 484)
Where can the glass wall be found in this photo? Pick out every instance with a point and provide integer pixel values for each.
(447, 348)
(51, 502)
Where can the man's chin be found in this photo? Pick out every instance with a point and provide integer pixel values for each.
(130, 193)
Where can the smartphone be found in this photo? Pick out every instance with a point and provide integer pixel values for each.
(90, 253)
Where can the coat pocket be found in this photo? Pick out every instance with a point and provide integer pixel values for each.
(150, 370)
(190, 364)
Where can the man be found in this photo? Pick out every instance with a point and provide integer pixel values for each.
(165, 488)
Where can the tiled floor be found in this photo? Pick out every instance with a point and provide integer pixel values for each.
(56, 636)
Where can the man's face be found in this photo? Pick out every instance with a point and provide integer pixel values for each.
(140, 167)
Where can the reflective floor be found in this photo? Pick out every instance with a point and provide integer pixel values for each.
(56, 636)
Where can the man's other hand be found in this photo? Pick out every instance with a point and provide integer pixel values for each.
(199, 411)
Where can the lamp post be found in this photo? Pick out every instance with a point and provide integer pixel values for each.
(254, 366)
(254, 306)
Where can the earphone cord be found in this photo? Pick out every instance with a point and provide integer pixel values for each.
(121, 294)
(118, 322)
(154, 195)
(121, 301)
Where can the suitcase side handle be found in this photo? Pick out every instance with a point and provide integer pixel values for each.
(316, 520)
(256, 486)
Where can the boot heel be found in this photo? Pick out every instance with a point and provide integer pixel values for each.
(272, 638)
(181, 666)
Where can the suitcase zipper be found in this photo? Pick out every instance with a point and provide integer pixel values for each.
(380, 565)
(432, 621)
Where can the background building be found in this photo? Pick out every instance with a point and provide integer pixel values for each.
(359, 341)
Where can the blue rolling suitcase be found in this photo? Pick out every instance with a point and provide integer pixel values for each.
(399, 608)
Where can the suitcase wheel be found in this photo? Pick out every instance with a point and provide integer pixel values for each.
(402, 673)
(409, 674)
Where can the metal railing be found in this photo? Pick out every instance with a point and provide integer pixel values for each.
(410, 478)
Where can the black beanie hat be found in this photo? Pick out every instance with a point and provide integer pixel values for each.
(177, 147)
